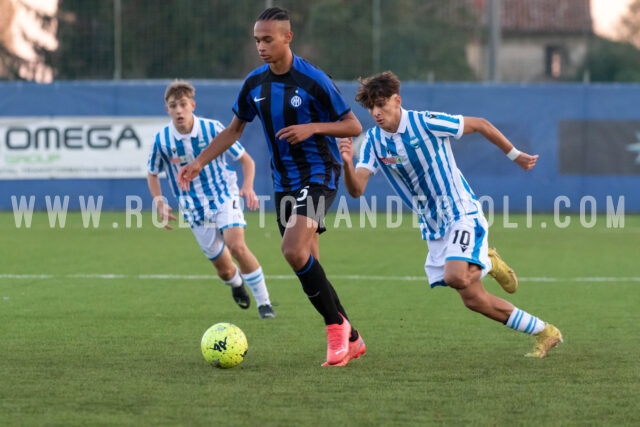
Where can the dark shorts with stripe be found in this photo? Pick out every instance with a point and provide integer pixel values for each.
(311, 201)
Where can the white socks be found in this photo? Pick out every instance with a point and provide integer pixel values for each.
(236, 280)
(524, 322)
(256, 283)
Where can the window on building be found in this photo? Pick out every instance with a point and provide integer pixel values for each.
(554, 61)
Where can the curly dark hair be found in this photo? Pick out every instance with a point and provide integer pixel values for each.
(376, 89)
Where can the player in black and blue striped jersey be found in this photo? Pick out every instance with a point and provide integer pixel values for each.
(302, 112)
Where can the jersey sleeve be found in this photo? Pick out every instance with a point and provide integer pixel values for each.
(236, 151)
(321, 87)
(155, 163)
(443, 124)
(340, 106)
(367, 156)
(243, 107)
(332, 98)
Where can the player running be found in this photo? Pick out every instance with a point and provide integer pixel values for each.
(413, 150)
(211, 205)
(301, 112)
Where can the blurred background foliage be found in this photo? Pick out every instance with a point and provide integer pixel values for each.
(422, 40)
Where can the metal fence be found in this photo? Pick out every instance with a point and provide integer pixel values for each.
(145, 39)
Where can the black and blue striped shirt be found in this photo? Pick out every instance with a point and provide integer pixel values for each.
(305, 94)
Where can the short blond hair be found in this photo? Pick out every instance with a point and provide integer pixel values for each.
(179, 89)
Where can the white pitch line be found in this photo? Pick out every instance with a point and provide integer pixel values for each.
(27, 276)
(293, 277)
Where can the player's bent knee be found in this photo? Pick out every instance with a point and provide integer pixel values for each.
(296, 259)
(457, 281)
(225, 271)
(226, 275)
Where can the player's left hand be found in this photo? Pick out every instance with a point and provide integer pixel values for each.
(250, 198)
(295, 134)
(165, 215)
(526, 161)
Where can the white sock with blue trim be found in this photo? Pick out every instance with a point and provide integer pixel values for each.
(236, 280)
(522, 321)
(255, 281)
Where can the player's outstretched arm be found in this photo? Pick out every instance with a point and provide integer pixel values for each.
(489, 131)
(349, 125)
(217, 146)
(248, 173)
(354, 179)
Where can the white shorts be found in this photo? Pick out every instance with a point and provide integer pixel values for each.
(466, 240)
(209, 235)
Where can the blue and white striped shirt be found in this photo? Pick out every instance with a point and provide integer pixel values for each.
(418, 163)
(216, 183)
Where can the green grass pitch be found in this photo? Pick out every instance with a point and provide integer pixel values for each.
(102, 326)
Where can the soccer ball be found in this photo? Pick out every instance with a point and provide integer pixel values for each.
(224, 345)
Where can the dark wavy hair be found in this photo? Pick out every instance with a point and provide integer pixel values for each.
(376, 89)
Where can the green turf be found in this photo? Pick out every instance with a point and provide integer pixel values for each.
(79, 348)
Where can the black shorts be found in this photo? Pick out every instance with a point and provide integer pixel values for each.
(311, 201)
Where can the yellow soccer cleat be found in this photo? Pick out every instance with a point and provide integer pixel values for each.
(548, 338)
(503, 274)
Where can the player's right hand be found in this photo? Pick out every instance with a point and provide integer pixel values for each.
(345, 145)
(187, 173)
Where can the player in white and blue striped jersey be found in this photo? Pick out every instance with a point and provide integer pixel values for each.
(413, 151)
(211, 205)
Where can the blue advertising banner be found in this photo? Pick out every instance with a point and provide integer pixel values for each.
(586, 136)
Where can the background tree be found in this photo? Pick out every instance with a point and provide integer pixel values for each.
(616, 61)
(611, 61)
(214, 39)
(419, 39)
(86, 40)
